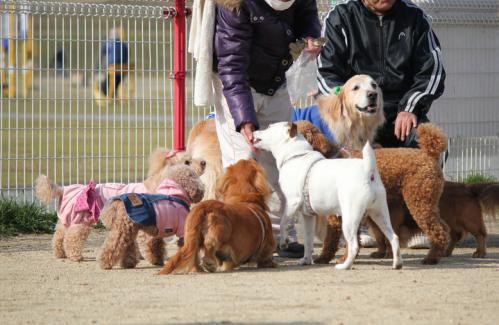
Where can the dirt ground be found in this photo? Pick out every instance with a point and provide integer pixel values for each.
(38, 289)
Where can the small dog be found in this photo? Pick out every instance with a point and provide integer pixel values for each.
(314, 185)
(161, 214)
(462, 207)
(231, 232)
(79, 205)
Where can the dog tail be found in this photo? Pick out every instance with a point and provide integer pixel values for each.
(487, 195)
(432, 140)
(46, 191)
(187, 256)
(369, 159)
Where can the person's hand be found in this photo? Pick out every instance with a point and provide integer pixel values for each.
(404, 122)
(313, 46)
(247, 132)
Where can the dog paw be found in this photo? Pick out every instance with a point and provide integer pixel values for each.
(322, 260)
(377, 255)
(305, 261)
(397, 266)
(77, 258)
(478, 254)
(429, 261)
(342, 266)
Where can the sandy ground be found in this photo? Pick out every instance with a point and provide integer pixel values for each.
(38, 289)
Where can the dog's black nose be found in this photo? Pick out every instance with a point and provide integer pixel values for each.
(372, 95)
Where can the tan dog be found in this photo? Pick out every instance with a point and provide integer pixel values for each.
(356, 113)
(462, 207)
(203, 144)
(231, 232)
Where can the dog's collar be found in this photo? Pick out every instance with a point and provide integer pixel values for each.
(293, 157)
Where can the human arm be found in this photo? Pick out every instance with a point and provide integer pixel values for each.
(332, 63)
(232, 46)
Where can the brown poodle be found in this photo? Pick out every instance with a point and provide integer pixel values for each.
(462, 207)
(231, 232)
(159, 215)
(79, 205)
(412, 176)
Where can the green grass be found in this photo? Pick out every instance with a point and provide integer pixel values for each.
(475, 177)
(21, 217)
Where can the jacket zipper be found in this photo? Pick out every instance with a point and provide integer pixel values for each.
(382, 50)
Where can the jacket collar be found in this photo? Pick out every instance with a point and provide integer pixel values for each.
(389, 13)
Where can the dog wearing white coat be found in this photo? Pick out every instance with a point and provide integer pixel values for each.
(316, 186)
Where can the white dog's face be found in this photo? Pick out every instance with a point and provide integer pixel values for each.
(275, 135)
(363, 94)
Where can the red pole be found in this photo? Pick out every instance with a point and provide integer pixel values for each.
(179, 75)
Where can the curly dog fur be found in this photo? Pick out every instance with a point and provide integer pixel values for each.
(68, 241)
(230, 232)
(120, 244)
(414, 177)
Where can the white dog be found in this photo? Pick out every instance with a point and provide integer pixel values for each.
(316, 186)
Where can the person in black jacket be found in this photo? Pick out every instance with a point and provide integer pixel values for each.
(393, 42)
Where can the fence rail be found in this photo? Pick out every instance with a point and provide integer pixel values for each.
(69, 111)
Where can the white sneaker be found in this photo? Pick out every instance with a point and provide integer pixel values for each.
(418, 241)
(366, 240)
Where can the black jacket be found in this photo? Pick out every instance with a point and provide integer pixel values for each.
(399, 50)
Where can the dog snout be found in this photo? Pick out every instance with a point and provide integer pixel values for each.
(372, 96)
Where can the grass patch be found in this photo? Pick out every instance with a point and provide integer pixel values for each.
(18, 217)
(475, 178)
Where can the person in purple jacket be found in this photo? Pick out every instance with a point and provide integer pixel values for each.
(251, 56)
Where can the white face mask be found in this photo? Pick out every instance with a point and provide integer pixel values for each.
(280, 5)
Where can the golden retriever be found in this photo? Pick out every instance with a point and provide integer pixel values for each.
(231, 232)
(355, 114)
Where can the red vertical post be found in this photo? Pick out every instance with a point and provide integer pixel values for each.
(179, 75)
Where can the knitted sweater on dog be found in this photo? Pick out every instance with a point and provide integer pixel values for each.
(81, 204)
(166, 210)
(312, 115)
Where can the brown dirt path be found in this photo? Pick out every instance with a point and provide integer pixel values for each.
(38, 289)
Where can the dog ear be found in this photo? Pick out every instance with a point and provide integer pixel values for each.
(332, 105)
(292, 130)
(260, 180)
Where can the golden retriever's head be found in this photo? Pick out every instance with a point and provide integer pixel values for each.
(243, 178)
(162, 158)
(355, 113)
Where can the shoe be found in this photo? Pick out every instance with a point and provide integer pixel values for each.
(366, 240)
(294, 250)
(418, 241)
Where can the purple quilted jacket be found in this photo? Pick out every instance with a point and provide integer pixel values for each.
(252, 48)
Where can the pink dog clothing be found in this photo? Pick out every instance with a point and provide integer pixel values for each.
(82, 204)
